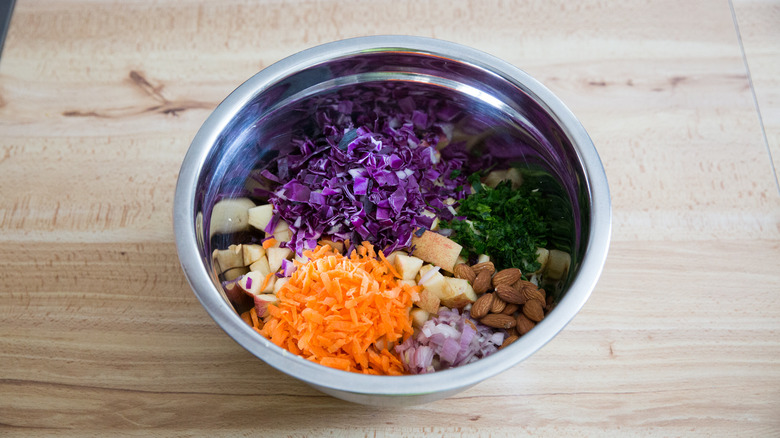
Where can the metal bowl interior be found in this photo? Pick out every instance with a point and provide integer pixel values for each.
(508, 114)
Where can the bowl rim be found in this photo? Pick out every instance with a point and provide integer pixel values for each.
(225, 316)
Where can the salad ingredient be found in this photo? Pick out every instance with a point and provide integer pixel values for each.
(484, 266)
(522, 301)
(465, 272)
(436, 249)
(451, 294)
(482, 282)
(529, 291)
(458, 293)
(524, 325)
(498, 320)
(252, 253)
(407, 266)
(276, 255)
(506, 276)
(428, 301)
(232, 257)
(482, 306)
(235, 273)
(230, 215)
(509, 294)
(504, 222)
(262, 301)
(260, 216)
(498, 305)
(256, 283)
(338, 311)
(448, 340)
(368, 169)
(510, 309)
(419, 317)
(533, 310)
(557, 264)
(261, 265)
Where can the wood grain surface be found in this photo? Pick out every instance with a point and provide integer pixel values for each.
(100, 334)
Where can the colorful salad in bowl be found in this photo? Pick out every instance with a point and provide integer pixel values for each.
(389, 236)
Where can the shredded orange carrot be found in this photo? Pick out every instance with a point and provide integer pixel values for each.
(334, 309)
(269, 243)
(267, 279)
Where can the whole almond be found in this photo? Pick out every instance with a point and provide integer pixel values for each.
(482, 283)
(484, 266)
(510, 309)
(497, 320)
(533, 310)
(508, 341)
(532, 293)
(507, 276)
(464, 272)
(482, 306)
(520, 284)
(524, 325)
(509, 294)
(498, 304)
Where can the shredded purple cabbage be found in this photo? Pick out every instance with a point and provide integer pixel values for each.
(368, 170)
(447, 340)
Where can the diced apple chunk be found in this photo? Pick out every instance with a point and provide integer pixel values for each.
(436, 249)
(232, 257)
(232, 274)
(230, 216)
(279, 283)
(251, 282)
(261, 303)
(458, 294)
(407, 266)
(557, 264)
(261, 265)
(430, 214)
(301, 258)
(282, 232)
(483, 258)
(493, 178)
(514, 175)
(428, 301)
(432, 281)
(252, 252)
(260, 216)
(542, 256)
(419, 317)
(236, 296)
(276, 255)
(391, 257)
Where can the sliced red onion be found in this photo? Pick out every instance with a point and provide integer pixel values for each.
(448, 340)
(428, 275)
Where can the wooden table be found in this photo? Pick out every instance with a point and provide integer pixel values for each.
(101, 335)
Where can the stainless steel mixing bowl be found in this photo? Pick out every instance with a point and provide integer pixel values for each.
(511, 113)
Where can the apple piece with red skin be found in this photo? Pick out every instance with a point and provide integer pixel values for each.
(458, 294)
(237, 297)
(436, 249)
(261, 303)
